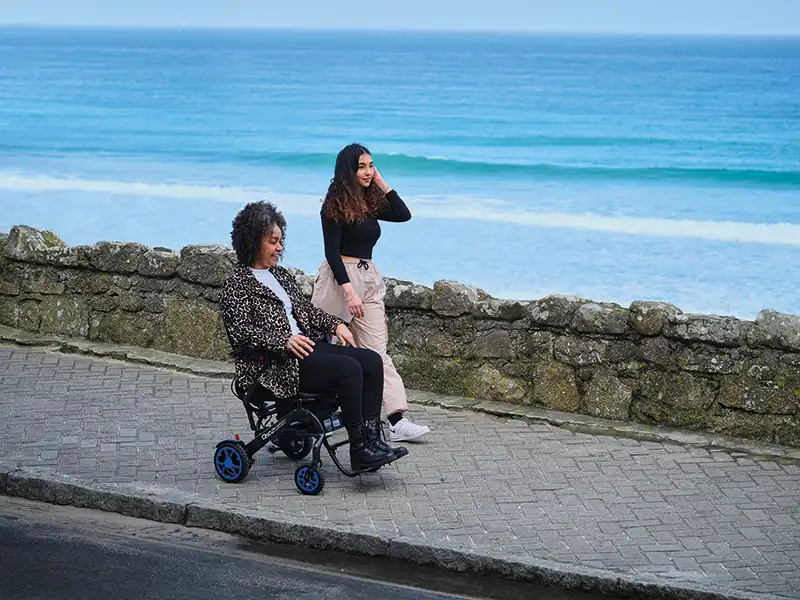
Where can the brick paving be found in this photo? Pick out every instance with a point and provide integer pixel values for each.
(709, 517)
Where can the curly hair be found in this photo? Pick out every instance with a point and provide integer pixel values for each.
(347, 201)
(250, 226)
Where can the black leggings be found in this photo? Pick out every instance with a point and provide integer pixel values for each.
(356, 374)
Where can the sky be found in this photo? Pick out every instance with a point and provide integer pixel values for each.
(756, 17)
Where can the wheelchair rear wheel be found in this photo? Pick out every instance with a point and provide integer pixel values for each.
(293, 445)
(231, 461)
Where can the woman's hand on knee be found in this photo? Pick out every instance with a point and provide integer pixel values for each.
(345, 335)
(300, 345)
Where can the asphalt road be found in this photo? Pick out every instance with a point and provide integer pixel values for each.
(50, 552)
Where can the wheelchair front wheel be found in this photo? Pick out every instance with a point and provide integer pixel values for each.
(309, 480)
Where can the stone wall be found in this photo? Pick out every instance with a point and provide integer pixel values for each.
(649, 362)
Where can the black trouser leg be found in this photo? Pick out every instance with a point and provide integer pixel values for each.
(356, 374)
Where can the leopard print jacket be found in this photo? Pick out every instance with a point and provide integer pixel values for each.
(255, 318)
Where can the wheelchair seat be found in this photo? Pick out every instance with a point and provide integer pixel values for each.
(259, 395)
(260, 403)
(264, 395)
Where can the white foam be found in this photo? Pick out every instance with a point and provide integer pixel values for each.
(289, 203)
(787, 234)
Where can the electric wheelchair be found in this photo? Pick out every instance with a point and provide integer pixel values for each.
(297, 426)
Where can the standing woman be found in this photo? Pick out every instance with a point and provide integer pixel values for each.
(348, 284)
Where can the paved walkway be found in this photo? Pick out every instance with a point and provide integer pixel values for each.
(644, 508)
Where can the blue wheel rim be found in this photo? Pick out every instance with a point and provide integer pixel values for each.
(307, 479)
(229, 463)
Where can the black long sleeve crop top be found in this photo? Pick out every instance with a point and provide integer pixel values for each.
(358, 239)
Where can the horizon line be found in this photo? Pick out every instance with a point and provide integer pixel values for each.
(401, 30)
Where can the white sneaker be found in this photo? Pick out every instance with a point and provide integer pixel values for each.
(405, 431)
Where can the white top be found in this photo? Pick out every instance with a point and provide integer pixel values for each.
(267, 279)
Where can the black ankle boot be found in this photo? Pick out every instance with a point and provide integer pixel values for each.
(374, 434)
(364, 455)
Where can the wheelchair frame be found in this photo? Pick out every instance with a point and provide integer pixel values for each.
(233, 458)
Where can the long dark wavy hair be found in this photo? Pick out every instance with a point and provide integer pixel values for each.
(347, 201)
(250, 226)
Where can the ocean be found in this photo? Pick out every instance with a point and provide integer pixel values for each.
(613, 168)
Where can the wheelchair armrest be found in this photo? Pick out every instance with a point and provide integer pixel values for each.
(259, 354)
(258, 395)
(310, 396)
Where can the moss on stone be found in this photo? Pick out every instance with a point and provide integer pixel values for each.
(555, 386)
(65, 315)
(608, 397)
(51, 240)
(766, 391)
(192, 328)
(42, 280)
(445, 376)
(136, 329)
(9, 311)
(677, 399)
(778, 429)
(490, 384)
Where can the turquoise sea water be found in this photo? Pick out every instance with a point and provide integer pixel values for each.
(615, 168)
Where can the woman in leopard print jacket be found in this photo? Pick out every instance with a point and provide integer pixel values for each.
(263, 309)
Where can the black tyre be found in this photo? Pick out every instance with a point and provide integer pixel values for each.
(309, 480)
(231, 461)
(295, 446)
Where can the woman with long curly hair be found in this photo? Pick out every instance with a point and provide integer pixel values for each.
(349, 284)
(263, 310)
